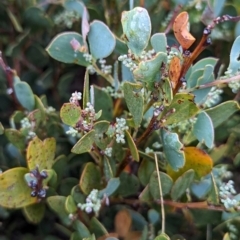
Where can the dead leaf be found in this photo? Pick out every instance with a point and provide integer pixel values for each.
(174, 71)
(123, 222)
(181, 31)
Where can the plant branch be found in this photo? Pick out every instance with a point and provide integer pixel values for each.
(215, 83)
(180, 205)
(108, 77)
(161, 194)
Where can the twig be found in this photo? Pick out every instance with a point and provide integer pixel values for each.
(175, 13)
(108, 77)
(180, 205)
(214, 83)
(161, 194)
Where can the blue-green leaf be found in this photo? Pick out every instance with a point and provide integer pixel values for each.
(137, 29)
(173, 149)
(203, 129)
(60, 49)
(234, 64)
(159, 42)
(24, 95)
(101, 40)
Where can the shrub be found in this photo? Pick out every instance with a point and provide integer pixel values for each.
(132, 133)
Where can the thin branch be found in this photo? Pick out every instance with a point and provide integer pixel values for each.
(161, 194)
(180, 205)
(108, 77)
(215, 83)
(175, 13)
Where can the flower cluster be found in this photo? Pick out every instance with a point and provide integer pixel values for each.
(213, 97)
(26, 125)
(106, 69)
(76, 96)
(88, 57)
(120, 128)
(226, 193)
(50, 109)
(93, 203)
(127, 61)
(108, 151)
(113, 93)
(73, 132)
(184, 126)
(67, 18)
(235, 86)
(36, 183)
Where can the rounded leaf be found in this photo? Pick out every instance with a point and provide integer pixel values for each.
(70, 114)
(195, 159)
(24, 95)
(14, 191)
(101, 40)
(166, 183)
(61, 49)
(137, 29)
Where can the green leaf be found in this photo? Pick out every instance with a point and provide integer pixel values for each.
(77, 195)
(103, 102)
(36, 18)
(24, 95)
(61, 49)
(153, 216)
(70, 114)
(34, 213)
(203, 129)
(81, 229)
(166, 92)
(134, 100)
(14, 191)
(16, 138)
(218, 7)
(182, 184)
(85, 143)
(90, 178)
(162, 236)
(184, 108)
(145, 195)
(101, 40)
(41, 153)
(86, 93)
(107, 168)
(145, 171)
(111, 187)
(147, 70)
(132, 146)
(97, 228)
(101, 139)
(129, 185)
(70, 205)
(40, 106)
(1, 129)
(74, 5)
(173, 149)
(166, 183)
(137, 29)
(57, 204)
(35, 117)
(159, 42)
(234, 64)
(214, 193)
(216, 113)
